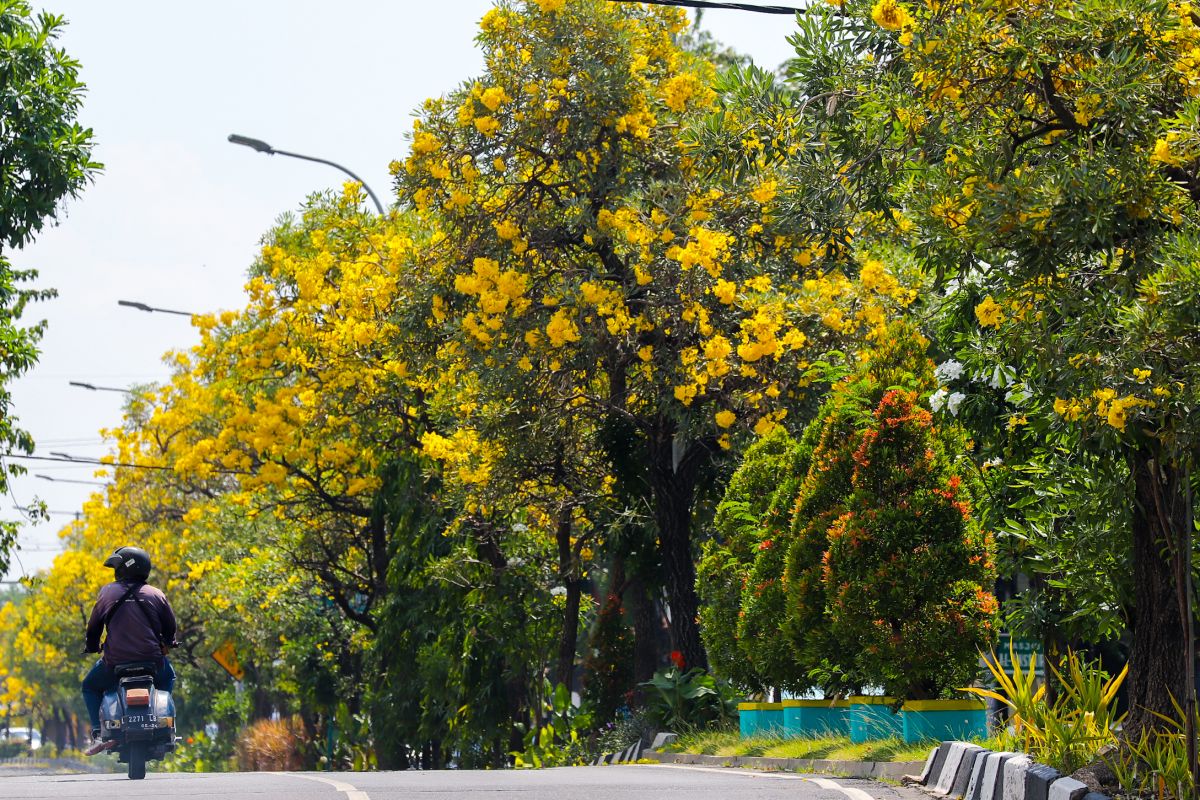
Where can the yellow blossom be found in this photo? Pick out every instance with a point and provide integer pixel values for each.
(988, 313)
(891, 15)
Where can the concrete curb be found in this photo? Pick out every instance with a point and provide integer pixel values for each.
(890, 770)
(964, 771)
(627, 756)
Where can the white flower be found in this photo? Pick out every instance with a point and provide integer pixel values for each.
(993, 462)
(948, 371)
(516, 562)
(938, 399)
(520, 527)
(954, 401)
(558, 591)
(1017, 395)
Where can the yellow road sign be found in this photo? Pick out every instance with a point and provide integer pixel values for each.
(226, 656)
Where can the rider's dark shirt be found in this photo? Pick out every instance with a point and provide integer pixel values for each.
(130, 636)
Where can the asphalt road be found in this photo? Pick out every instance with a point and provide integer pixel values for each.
(578, 783)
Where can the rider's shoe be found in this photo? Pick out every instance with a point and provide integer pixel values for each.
(97, 745)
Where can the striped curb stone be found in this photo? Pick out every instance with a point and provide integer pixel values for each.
(976, 779)
(1013, 787)
(993, 777)
(1038, 780)
(935, 766)
(1068, 789)
(952, 766)
(924, 777)
(663, 739)
(966, 771)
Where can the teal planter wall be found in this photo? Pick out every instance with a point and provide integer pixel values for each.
(747, 718)
(940, 720)
(872, 718)
(816, 717)
(760, 719)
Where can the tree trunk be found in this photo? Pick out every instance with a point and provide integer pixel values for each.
(569, 639)
(1157, 674)
(673, 482)
(645, 635)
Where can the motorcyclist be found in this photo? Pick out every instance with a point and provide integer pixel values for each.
(141, 628)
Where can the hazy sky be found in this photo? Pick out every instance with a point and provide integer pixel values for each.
(175, 218)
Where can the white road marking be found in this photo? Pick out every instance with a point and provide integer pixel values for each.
(345, 788)
(728, 771)
(849, 791)
(824, 783)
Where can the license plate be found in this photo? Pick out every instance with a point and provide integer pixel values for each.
(141, 719)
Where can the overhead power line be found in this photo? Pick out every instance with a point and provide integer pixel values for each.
(719, 5)
(65, 459)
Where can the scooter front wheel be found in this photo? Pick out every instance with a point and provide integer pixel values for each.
(137, 761)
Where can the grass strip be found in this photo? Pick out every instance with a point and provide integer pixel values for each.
(832, 748)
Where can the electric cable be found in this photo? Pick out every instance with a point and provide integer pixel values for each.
(723, 6)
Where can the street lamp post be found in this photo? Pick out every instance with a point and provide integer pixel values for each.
(259, 146)
(95, 388)
(144, 307)
(52, 479)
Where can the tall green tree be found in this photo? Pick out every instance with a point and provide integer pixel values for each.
(45, 155)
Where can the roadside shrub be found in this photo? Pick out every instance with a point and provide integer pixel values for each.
(907, 563)
(1080, 724)
(728, 558)
(818, 652)
(271, 746)
(682, 701)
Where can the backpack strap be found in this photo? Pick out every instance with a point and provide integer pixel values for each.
(155, 625)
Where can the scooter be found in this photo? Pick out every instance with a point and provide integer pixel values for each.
(136, 719)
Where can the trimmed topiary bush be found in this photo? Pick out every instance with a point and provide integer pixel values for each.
(907, 564)
(728, 557)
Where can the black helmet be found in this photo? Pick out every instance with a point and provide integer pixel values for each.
(130, 563)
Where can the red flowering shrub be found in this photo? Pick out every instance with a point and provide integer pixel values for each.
(907, 565)
(833, 437)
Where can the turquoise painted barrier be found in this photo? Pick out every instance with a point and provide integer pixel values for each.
(941, 720)
(760, 719)
(872, 718)
(816, 717)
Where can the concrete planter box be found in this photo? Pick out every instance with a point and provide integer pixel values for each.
(940, 720)
(760, 719)
(872, 718)
(816, 717)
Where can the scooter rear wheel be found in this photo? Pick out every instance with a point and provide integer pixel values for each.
(137, 761)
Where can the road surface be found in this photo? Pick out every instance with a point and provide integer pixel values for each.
(573, 783)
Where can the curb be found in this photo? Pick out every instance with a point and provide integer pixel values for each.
(890, 770)
(965, 771)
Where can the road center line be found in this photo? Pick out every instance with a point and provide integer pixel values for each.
(345, 788)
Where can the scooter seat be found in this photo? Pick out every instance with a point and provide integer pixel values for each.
(135, 668)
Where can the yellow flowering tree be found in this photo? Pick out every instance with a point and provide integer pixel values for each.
(589, 249)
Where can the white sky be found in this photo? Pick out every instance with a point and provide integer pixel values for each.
(175, 218)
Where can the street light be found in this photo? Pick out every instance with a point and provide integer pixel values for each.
(96, 388)
(144, 307)
(52, 479)
(259, 146)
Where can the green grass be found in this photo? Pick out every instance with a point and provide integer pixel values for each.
(832, 748)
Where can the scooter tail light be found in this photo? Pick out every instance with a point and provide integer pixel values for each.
(137, 697)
